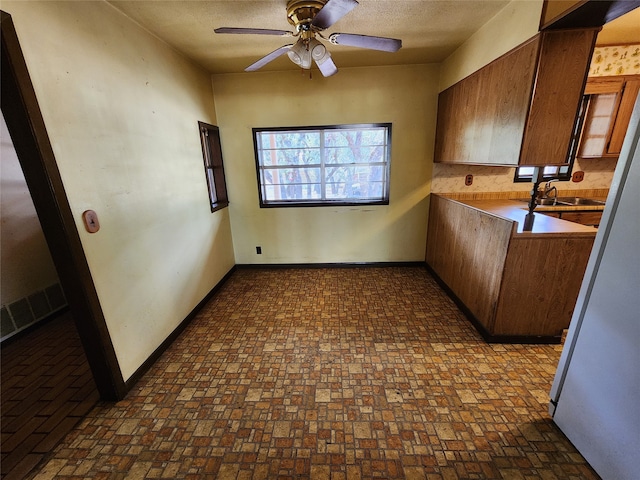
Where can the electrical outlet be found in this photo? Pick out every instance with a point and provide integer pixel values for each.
(259, 250)
(468, 180)
(577, 176)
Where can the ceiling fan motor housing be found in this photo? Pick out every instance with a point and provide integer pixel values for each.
(301, 13)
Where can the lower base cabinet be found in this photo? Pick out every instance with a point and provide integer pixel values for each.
(514, 287)
(585, 218)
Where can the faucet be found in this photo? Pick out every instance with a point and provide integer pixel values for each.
(548, 189)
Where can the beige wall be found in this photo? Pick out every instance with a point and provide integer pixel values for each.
(405, 96)
(515, 23)
(121, 109)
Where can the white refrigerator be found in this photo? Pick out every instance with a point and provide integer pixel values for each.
(595, 397)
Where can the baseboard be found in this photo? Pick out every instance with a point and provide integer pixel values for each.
(144, 368)
(329, 265)
(488, 337)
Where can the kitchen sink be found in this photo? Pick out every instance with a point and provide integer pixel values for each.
(546, 201)
(567, 201)
(577, 201)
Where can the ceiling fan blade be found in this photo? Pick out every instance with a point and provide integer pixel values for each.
(326, 66)
(364, 41)
(268, 58)
(333, 11)
(255, 31)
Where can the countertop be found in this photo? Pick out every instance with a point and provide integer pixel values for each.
(516, 210)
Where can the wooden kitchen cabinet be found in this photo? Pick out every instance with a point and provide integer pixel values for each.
(520, 109)
(514, 286)
(610, 102)
(586, 217)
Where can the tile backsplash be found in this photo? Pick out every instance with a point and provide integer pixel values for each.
(450, 178)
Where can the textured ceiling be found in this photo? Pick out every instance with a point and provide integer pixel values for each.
(429, 29)
(625, 29)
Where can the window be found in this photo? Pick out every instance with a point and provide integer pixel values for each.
(330, 165)
(214, 170)
(525, 174)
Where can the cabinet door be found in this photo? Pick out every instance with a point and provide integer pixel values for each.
(481, 119)
(519, 109)
(584, 218)
(562, 71)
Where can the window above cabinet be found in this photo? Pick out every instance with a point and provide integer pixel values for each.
(610, 103)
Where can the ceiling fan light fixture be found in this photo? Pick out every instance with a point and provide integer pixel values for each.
(300, 54)
(318, 50)
(304, 52)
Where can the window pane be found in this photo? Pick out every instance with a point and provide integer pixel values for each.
(291, 183)
(355, 182)
(212, 185)
(336, 138)
(288, 157)
(355, 155)
(561, 172)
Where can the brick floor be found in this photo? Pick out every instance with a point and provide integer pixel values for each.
(47, 388)
(343, 373)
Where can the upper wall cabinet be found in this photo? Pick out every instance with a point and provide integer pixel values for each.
(520, 109)
(609, 107)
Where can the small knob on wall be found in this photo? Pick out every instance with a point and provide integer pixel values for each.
(91, 222)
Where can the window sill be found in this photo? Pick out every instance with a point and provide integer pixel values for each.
(323, 204)
(219, 206)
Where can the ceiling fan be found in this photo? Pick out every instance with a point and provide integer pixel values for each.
(310, 18)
